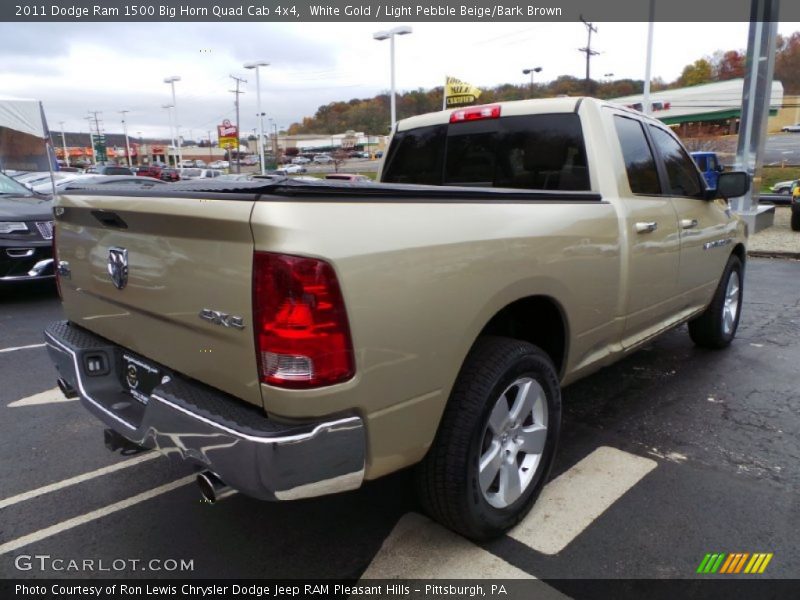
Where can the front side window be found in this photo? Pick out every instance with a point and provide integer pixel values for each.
(640, 165)
(684, 180)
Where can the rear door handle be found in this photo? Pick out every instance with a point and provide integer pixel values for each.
(646, 227)
(688, 223)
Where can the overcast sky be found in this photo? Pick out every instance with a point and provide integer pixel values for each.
(75, 68)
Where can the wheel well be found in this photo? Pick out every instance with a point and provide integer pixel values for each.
(740, 252)
(536, 319)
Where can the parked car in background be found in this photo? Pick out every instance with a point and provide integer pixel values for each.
(131, 181)
(791, 128)
(109, 170)
(300, 160)
(347, 177)
(709, 165)
(219, 164)
(26, 233)
(199, 173)
(41, 182)
(290, 169)
(169, 174)
(783, 187)
(322, 159)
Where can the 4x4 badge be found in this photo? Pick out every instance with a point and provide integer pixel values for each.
(118, 266)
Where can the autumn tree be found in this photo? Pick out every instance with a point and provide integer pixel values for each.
(700, 71)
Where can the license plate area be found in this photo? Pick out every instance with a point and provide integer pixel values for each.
(139, 376)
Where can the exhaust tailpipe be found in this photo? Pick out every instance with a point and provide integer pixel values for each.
(211, 486)
(67, 389)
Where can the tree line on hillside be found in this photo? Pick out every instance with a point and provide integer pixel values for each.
(371, 115)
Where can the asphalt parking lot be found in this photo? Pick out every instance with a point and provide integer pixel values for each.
(671, 454)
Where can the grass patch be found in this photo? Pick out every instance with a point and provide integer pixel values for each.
(772, 175)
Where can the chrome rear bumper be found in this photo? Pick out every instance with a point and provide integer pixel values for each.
(250, 452)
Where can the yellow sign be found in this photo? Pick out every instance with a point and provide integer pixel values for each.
(229, 142)
(458, 93)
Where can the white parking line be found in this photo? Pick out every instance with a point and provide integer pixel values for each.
(418, 548)
(47, 532)
(131, 462)
(48, 397)
(570, 503)
(21, 348)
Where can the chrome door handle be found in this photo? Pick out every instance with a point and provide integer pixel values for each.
(688, 223)
(646, 227)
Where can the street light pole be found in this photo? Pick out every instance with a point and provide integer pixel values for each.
(530, 72)
(390, 35)
(64, 144)
(171, 80)
(125, 130)
(169, 108)
(255, 65)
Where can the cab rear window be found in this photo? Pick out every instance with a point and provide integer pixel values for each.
(539, 152)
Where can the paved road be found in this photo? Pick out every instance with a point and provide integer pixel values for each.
(668, 455)
(780, 148)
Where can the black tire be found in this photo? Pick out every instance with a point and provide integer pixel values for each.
(795, 217)
(709, 330)
(447, 478)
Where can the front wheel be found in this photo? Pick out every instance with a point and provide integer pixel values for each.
(496, 442)
(717, 326)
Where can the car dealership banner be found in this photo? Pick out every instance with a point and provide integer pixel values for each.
(380, 11)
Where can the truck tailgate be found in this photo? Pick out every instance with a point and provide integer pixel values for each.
(183, 255)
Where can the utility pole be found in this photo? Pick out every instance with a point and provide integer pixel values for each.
(91, 139)
(239, 81)
(93, 117)
(590, 28)
(64, 143)
(209, 146)
(125, 130)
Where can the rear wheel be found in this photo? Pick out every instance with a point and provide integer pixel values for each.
(716, 327)
(496, 442)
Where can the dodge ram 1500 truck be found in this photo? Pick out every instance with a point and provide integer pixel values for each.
(293, 339)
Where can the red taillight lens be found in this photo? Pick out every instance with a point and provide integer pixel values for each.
(55, 263)
(475, 113)
(302, 334)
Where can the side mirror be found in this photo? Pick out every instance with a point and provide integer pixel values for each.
(720, 169)
(732, 184)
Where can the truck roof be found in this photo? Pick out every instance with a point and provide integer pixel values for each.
(507, 109)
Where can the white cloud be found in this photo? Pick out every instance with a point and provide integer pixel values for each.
(79, 67)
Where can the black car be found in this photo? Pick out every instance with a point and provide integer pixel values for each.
(26, 233)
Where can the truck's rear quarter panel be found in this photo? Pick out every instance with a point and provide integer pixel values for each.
(422, 278)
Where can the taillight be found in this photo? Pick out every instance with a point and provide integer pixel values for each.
(475, 113)
(302, 334)
(55, 263)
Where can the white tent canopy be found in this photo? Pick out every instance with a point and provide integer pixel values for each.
(23, 115)
(24, 143)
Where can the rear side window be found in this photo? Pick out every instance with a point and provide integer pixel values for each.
(684, 180)
(702, 162)
(539, 152)
(639, 162)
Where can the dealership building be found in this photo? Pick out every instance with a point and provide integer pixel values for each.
(713, 108)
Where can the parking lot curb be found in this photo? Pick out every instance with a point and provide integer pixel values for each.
(773, 254)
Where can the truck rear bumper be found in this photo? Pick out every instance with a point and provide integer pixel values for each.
(248, 451)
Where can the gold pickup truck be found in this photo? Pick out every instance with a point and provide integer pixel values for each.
(293, 339)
